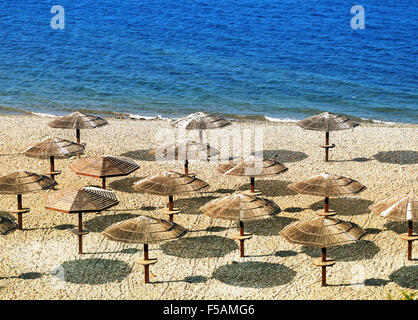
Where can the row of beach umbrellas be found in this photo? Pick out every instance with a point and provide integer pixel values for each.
(322, 232)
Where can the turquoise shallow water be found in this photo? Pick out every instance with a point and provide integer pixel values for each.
(281, 59)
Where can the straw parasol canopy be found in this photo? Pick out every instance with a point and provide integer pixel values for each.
(401, 208)
(252, 166)
(327, 185)
(145, 230)
(327, 122)
(104, 167)
(21, 182)
(170, 183)
(240, 207)
(201, 121)
(184, 150)
(78, 120)
(52, 147)
(87, 199)
(322, 232)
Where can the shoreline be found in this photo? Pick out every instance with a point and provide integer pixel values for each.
(239, 118)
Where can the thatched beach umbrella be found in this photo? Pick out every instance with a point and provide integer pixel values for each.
(52, 147)
(78, 120)
(240, 207)
(21, 182)
(322, 232)
(252, 167)
(184, 150)
(327, 122)
(170, 183)
(201, 121)
(87, 199)
(145, 230)
(104, 167)
(327, 185)
(404, 208)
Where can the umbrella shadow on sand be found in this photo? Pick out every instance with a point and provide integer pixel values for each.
(141, 154)
(93, 271)
(210, 246)
(360, 250)
(7, 223)
(254, 274)
(397, 157)
(125, 185)
(101, 222)
(192, 205)
(268, 227)
(270, 188)
(406, 277)
(285, 156)
(397, 226)
(344, 206)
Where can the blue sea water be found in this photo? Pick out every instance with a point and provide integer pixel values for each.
(282, 59)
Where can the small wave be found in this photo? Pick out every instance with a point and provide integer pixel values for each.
(139, 117)
(377, 121)
(40, 114)
(271, 119)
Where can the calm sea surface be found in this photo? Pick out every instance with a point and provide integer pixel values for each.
(281, 59)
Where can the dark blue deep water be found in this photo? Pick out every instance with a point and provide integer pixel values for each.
(282, 59)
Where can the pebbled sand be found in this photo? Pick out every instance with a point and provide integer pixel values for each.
(41, 262)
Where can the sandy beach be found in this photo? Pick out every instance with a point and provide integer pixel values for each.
(41, 262)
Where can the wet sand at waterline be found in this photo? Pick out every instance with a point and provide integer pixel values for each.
(41, 262)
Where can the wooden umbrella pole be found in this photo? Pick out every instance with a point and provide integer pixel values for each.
(103, 183)
(146, 266)
(326, 145)
(80, 230)
(52, 169)
(77, 133)
(409, 241)
(326, 205)
(170, 208)
(324, 268)
(252, 183)
(241, 233)
(52, 166)
(186, 166)
(19, 214)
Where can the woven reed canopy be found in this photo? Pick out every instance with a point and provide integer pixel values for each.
(200, 120)
(327, 122)
(87, 199)
(184, 150)
(402, 208)
(54, 147)
(322, 232)
(169, 183)
(327, 185)
(239, 207)
(78, 120)
(252, 166)
(104, 166)
(144, 229)
(21, 182)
